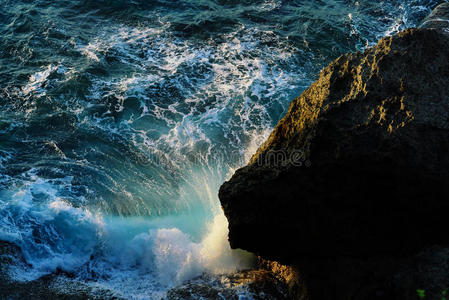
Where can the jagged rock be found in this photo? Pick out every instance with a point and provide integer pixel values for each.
(359, 166)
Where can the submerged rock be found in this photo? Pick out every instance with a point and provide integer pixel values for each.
(58, 285)
(357, 169)
(251, 284)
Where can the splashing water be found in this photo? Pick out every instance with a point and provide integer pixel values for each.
(119, 121)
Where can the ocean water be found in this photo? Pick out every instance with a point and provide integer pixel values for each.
(120, 119)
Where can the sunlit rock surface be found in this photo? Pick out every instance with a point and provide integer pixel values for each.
(356, 172)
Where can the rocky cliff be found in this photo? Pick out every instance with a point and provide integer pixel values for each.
(354, 180)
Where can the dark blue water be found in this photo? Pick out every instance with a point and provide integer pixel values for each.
(119, 120)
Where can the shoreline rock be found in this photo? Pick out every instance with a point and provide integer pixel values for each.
(258, 284)
(372, 190)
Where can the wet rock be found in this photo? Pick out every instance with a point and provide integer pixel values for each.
(59, 285)
(252, 284)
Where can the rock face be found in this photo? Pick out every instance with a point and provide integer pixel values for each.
(359, 166)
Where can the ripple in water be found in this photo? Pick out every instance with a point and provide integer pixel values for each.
(119, 121)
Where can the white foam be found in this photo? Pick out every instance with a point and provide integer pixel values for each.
(151, 254)
(243, 79)
(221, 110)
(211, 106)
(36, 82)
(163, 258)
(269, 5)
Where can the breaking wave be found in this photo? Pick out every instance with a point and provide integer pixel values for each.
(120, 120)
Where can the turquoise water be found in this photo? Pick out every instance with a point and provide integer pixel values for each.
(119, 120)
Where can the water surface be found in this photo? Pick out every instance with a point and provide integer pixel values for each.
(120, 119)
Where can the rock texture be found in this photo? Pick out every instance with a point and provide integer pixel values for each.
(256, 284)
(357, 172)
